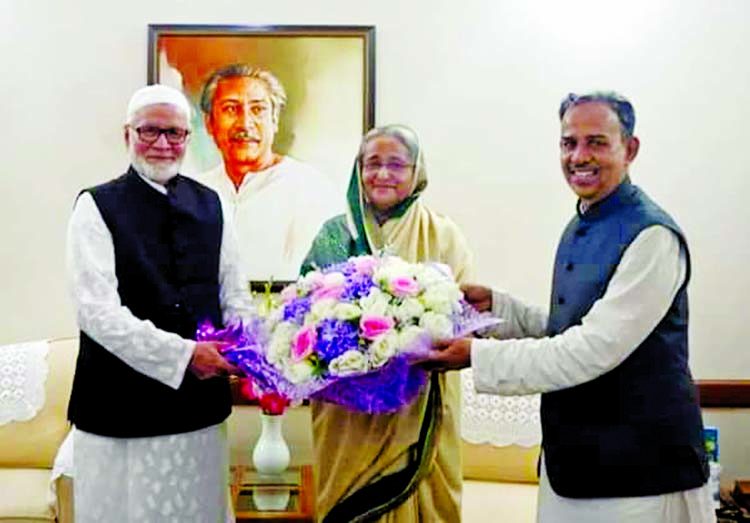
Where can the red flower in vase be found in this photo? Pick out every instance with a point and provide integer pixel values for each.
(273, 403)
(247, 388)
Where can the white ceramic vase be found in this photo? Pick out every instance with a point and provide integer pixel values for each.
(271, 453)
(272, 499)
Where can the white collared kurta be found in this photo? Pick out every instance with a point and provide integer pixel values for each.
(179, 477)
(277, 213)
(650, 273)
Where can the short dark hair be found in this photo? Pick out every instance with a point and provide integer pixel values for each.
(618, 103)
(275, 89)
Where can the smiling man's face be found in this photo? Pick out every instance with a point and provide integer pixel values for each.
(242, 124)
(594, 154)
(158, 160)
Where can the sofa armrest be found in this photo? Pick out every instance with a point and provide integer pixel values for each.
(64, 508)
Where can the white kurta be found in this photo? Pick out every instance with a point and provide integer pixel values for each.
(648, 277)
(277, 213)
(180, 477)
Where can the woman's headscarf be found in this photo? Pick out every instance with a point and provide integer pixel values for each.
(412, 231)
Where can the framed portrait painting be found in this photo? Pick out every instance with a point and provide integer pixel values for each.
(327, 77)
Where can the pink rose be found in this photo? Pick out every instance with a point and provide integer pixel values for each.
(314, 279)
(373, 326)
(333, 292)
(365, 264)
(304, 342)
(403, 286)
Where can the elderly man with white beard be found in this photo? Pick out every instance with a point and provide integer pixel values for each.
(149, 257)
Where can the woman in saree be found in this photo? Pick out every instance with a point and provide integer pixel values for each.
(402, 467)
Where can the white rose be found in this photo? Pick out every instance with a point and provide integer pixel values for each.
(322, 309)
(409, 335)
(375, 303)
(350, 362)
(281, 342)
(392, 267)
(429, 275)
(346, 311)
(333, 279)
(441, 298)
(438, 325)
(409, 309)
(310, 281)
(383, 348)
(276, 316)
(299, 372)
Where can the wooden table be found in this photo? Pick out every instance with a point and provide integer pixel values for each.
(289, 497)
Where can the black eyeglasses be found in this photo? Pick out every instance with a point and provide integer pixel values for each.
(174, 135)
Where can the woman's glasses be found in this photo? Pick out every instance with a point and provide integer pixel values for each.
(394, 167)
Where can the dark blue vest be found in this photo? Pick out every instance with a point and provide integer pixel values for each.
(636, 430)
(167, 266)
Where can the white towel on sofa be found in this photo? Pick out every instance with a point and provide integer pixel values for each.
(23, 371)
(498, 420)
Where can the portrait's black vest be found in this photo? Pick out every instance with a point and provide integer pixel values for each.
(166, 251)
(636, 430)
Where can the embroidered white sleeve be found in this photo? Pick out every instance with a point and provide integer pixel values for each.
(161, 355)
(234, 296)
(504, 420)
(640, 292)
(520, 320)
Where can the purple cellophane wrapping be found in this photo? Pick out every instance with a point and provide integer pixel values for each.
(381, 391)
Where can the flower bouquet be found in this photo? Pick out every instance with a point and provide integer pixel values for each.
(348, 334)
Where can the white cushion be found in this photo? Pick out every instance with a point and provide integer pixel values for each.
(484, 501)
(25, 495)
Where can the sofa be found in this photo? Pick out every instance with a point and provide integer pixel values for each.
(28, 448)
(498, 479)
(500, 448)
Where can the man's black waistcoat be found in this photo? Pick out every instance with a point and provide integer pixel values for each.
(167, 266)
(636, 430)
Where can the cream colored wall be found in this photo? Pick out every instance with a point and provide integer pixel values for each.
(479, 80)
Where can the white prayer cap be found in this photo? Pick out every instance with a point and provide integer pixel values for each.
(157, 94)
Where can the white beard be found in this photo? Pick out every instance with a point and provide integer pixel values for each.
(159, 173)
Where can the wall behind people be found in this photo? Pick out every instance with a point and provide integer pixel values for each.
(479, 81)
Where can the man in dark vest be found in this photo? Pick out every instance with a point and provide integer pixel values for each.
(149, 257)
(621, 424)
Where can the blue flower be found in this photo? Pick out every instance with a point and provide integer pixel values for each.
(357, 286)
(345, 268)
(335, 337)
(296, 309)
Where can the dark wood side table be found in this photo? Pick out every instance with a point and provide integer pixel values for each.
(288, 497)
